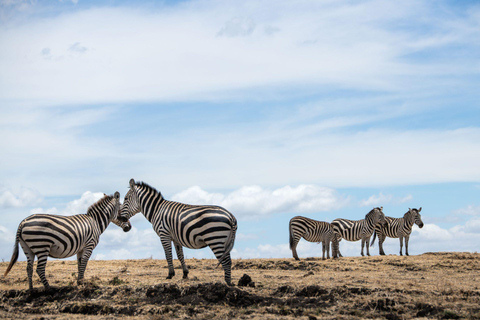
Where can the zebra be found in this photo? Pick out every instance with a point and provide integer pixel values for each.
(354, 230)
(191, 226)
(48, 235)
(398, 228)
(313, 231)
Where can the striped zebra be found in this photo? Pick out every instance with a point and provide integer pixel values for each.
(354, 230)
(48, 235)
(398, 228)
(191, 226)
(312, 231)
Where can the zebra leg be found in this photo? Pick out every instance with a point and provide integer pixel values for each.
(167, 247)
(41, 264)
(363, 243)
(367, 241)
(30, 259)
(227, 267)
(381, 239)
(294, 247)
(401, 245)
(406, 245)
(337, 248)
(179, 250)
(79, 260)
(323, 250)
(83, 264)
(328, 248)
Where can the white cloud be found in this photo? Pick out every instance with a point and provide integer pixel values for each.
(237, 27)
(254, 201)
(382, 199)
(77, 206)
(375, 200)
(19, 197)
(468, 211)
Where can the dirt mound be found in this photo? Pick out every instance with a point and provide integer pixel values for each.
(207, 293)
(245, 281)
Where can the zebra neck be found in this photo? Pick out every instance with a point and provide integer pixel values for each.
(150, 205)
(370, 224)
(100, 219)
(408, 221)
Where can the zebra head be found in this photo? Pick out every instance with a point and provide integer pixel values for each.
(417, 218)
(126, 226)
(131, 204)
(379, 216)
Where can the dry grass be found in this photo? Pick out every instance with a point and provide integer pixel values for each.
(432, 285)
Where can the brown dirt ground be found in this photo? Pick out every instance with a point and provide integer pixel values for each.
(431, 285)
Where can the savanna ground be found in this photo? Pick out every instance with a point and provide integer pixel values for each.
(431, 285)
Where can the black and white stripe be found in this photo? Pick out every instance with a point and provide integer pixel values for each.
(191, 226)
(398, 228)
(312, 231)
(354, 230)
(47, 235)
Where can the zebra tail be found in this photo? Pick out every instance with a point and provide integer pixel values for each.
(229, 243)
(374, 236)
(14, 258)
(291, 234)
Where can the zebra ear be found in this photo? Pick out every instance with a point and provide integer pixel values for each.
(420, 209)
(132, 183)
(117, 195)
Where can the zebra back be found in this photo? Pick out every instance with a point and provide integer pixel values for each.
(353, 230)
(310, 229)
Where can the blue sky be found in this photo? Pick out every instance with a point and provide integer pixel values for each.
(269, 108)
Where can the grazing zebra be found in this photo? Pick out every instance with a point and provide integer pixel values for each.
(190, 226)
(398, 228)
(48, 235)
(354, 230)
(313, 231)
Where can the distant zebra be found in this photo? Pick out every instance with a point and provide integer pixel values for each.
(48, 235)
(191, 226)
(312, 231)
(398, 228)
(354, 230)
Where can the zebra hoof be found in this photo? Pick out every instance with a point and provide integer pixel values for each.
(185, 275)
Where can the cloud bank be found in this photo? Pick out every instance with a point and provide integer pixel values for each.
(255, 202)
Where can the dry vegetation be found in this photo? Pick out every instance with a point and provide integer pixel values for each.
(432, 285)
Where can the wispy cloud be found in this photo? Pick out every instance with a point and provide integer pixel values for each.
(19, 197)
(224, 50)
(382, 199)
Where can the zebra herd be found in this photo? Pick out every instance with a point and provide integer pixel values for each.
(374, 223)
(191, 226)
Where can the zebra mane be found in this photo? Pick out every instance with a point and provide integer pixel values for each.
(99, 203)
(408, 213)
(147, 186)
(371, 212)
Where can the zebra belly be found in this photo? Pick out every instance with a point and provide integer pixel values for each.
(60, 252)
